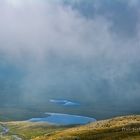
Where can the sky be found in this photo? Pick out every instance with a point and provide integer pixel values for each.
(83, 50)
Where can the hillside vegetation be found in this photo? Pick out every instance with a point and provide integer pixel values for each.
(119, 128)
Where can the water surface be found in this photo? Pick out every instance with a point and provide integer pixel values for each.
(63, 119)
(64, 102)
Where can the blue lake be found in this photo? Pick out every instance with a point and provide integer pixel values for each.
(63, 119)
(64, 102)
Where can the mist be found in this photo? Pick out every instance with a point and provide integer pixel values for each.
(85, 51)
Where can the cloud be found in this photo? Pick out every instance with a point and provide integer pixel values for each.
(133, 3)
(63, 53)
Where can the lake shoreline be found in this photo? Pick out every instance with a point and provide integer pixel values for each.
(63, 119)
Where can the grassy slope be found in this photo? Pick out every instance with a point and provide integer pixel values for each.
(111, 129)
(29, 130)
(101, 130)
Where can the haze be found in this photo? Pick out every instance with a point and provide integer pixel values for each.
(86, 51)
